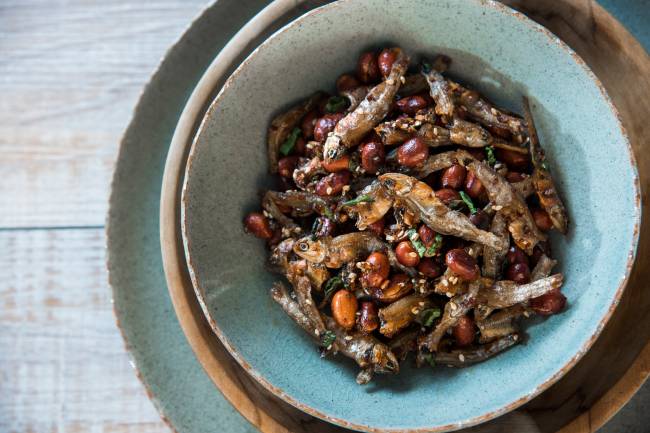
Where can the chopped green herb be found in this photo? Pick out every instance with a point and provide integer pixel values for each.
(468, 202)
(429, 359)
(290, 142)
(332, 285)
(336, 104)
(435, 247)
(416, 242)
(489, 151)
(328, 213)
(327, 339)
(363, 198)
(426, 317)
(426, 66)
(423, 250)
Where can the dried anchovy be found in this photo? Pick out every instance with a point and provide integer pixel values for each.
(542, 180)
(282, 124)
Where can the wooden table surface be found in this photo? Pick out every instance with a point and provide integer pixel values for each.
(70, 74)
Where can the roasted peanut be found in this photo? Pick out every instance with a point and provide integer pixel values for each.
(480, 219)
(474, 187)
(406, 254)
(325, 125)
(367, 68)
(427, 235)
(308, 123)
(333, 183)
(542, 220)
(344, 308)
(515, 176)
(373, 156)
(379, 270)
(518, 272)
(287, 165)
(516, 255)
(400, 285)
(346, 82)
(385, 60)
(343, 163)
(514, 160)
(476, 153)
(447, 195)
(300, 147)
(413, 152)
(369, 318)
(453, 177)
(411, 104)
(464, 331)
(430, 268)
(462, 264)
(258, 225)
(550, 303)
(377, 227)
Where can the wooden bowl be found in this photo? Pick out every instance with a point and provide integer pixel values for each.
(270, 414)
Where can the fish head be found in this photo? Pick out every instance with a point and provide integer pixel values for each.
(397, 184)
(310, 249)
(333, 148)
(384, 360)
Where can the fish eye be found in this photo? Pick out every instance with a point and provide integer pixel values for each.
(332, 153)
(389, 183)
(303, 246)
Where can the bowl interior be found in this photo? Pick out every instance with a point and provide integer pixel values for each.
(503, 55)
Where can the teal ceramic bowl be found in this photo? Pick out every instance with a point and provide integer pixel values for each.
(505, 56)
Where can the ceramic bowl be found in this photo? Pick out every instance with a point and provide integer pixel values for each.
(505, 56)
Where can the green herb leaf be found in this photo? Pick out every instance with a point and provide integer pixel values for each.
(429, 359)
(489, 151)
(468, 202)
(363, 198)
(328, 213)
(332, 285)
(416, 242)
(427, 317)
(336, 104)
(327, 339)
(435, 247)
(290, 142)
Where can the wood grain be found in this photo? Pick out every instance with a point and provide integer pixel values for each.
(63, 362)
(71, 75)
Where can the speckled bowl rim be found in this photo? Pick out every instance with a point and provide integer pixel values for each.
(506, 10)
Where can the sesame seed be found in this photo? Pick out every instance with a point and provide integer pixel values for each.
(423, 281)
(497, 207)
(415, 311)
(417, 123)
(308, 301)
(453, 306)
(346, 188)
(329, 190)
(402, 79)
(389, 238)
(515, 337)
(461, 357)
(384, 284)
(329, 347)
(445, 283)
(343, 218)
(317, 332)
(421, 304)
(494, 111)
(449, 294)
(453, 280)
(526, 314)
(390, 81)
(348, 337)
